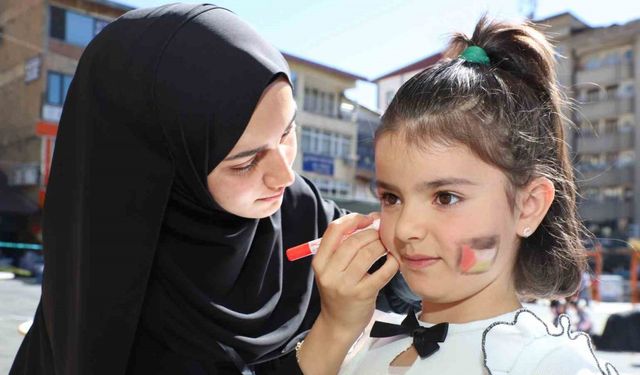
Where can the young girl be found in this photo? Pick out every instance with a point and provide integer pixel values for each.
(478, 208)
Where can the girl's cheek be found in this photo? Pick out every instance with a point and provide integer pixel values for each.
(477, 255)
(386, 235)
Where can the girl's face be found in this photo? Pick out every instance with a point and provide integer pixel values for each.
(446, 217)
(250, 181)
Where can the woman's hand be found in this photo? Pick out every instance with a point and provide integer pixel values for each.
(347, 291)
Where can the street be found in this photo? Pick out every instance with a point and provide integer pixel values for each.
(20, 299)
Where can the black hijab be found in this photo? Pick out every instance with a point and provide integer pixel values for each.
(159, 98)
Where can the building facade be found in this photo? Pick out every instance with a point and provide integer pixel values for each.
(389, 83)
(598, 68)
(40, 44)
(327, 127)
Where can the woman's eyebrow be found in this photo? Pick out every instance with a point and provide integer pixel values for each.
(247, 153)
(256, 150)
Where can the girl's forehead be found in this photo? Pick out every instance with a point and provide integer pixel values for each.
(407, 162)
(400, 145)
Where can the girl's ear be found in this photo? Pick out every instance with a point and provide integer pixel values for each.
(535, 199)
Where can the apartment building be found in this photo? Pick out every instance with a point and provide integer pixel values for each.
(40, 44)
(389, 83)
(327, 127)
(599, 69)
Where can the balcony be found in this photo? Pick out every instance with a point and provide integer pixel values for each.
(609, 142)
(593, 111)
(607, 177)
(606, 74)
(605, 210)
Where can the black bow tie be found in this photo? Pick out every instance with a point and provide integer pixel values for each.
(425, 340)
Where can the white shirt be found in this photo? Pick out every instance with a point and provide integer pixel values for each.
(516, 343)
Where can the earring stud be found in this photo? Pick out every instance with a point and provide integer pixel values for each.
(526, 232)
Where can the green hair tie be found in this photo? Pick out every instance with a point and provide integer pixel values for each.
(475, 54)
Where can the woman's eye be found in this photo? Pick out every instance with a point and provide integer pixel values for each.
(446, 199)
(285, 135)
(245, 169)
(388, 199)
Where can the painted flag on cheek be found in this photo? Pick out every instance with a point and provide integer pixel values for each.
(478, 256)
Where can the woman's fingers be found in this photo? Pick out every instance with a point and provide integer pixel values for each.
(362, 260)
(380, 278)
(352, 246)
(334, 236)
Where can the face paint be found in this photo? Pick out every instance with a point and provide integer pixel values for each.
(478, 255)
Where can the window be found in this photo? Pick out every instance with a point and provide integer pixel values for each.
(626, 158)
(57, 87)
(331, 107)
(592, 63)
(73, 27)
(99, 25)
(389, 97)
(611, 157)
(320, 102)
(611, 126)
(333, 188)
(591, 193)
(308, 100)
(626, 126)
(586, 129)
(613, 192)
(326, 143)
(628, 55)
(294, 82)
(628, 193)
(593, 95)
(611, 91)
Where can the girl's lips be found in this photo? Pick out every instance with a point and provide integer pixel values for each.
(419, 262)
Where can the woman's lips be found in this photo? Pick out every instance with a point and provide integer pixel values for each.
(273, 197)
(419, 262)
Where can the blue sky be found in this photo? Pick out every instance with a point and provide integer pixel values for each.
(372, 37)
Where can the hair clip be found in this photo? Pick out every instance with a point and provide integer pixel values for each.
(475, 54)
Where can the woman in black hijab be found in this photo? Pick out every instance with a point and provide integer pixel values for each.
(170, 202)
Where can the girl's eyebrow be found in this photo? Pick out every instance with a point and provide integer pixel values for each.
(434, 184)
(256, 150)
(429, 185)
(384, 185)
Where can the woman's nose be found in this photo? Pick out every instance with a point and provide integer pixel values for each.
(279, 173)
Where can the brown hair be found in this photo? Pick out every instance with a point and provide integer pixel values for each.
(509, 114)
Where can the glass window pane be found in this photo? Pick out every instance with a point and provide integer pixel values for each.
(54, 86)
(99, 25)
(66, 84)
(57, 23)
(79, 29)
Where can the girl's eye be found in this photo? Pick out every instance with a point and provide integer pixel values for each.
(446, 199)
(388, 199)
